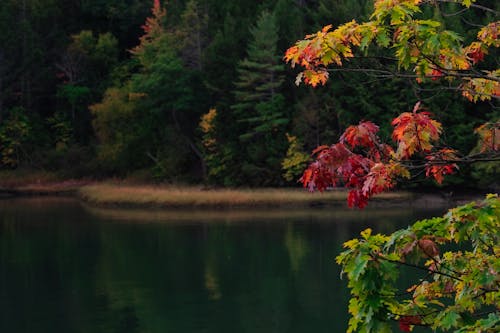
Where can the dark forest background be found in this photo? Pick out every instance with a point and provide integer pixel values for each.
(201, 96)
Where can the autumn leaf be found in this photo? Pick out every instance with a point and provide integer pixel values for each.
(363, 135)
(489, 135)
(355, 198)
(437, 165)
(415, 132)
(489, 34)
(428, 247)
(315, 77)
(476, 52)
(377, 180)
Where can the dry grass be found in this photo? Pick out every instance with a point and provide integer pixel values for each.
(192, 197)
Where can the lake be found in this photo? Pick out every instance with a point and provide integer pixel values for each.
(66, 267)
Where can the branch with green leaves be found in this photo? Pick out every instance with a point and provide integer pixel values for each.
(461, 289)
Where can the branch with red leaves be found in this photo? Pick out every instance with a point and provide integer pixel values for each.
(367, 166)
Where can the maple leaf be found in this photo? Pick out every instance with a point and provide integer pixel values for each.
(291, 55)
(481, 88)
(355, 198)
(315, 77)
(414, 132)
(363, 135)
(334, 156)
(428, 247)
(489, 135)
(489, 34)
(437, 166)
(316, 177)
(378, 180)
(354, 170)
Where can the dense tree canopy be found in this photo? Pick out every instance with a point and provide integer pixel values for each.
(63, 63)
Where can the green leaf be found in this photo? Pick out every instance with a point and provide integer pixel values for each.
(359, 267)
(449, 320)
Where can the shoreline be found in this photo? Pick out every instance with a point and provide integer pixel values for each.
(125, 196)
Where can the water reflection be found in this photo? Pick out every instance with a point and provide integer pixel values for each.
(68, 268)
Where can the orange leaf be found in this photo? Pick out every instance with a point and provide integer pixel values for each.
(415, 132)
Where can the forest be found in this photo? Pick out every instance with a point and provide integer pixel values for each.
(197, 91)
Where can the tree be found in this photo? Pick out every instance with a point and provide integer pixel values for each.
(259, 105)
(155, 109)
(423, 51)
(459, 289)
(192, 35)
(15, 135)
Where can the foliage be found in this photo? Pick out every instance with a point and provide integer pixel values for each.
(114, 122)
(214, 155)
(361, 161)
(459, 290)
(156, 107)
(62, 131)
(420, 45)
(15, 134)
(58, 57)
(259, 104)
(295, 160)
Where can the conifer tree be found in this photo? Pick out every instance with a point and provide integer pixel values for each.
(259, 105)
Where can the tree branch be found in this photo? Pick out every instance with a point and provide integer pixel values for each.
(380, 256)
(473, 5)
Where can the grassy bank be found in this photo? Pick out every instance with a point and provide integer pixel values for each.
(126, 194)
(33, 183)
(192, 197)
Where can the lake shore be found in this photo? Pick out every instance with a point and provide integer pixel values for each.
(115, 194)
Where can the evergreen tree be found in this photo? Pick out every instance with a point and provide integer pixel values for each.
(259, 105)
(191, 35)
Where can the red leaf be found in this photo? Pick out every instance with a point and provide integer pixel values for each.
(356, 199)
(363, 135)
(415, 132)
(377, 180)
(405, 322)
(435, 166)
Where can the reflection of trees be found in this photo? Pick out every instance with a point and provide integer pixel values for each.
(68, 273)
(214, 239)
(297, 247)
(212, 283)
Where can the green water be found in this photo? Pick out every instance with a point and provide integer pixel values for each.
(67, 268)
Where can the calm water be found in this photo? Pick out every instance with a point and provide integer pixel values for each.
(68, 268)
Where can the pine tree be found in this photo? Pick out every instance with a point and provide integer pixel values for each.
(259, 105)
